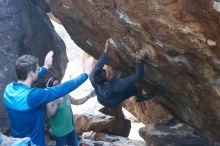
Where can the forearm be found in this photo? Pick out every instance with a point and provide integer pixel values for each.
(51, 109)
(123, 83)
(100, 63)
(39, 96)
(79, 101)
(65, 88)
(42, 72)
(138, 73)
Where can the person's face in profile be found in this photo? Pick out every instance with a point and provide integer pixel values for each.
(110, 73)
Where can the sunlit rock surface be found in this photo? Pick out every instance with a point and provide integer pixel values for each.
(181, 38)
(147, 112)
(91, 122)
(25, 29)
(107, 120)
(120, 126)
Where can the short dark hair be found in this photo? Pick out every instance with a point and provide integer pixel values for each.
(24, 65)
(99, 76)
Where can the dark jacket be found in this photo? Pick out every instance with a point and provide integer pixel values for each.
(114, 92)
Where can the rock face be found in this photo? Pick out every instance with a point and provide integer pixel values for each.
(25, 29)
(149, 112)
(103, 139)
(120, 126)
(89, 122)
(181, 38)
(109, 120)
(173, 133)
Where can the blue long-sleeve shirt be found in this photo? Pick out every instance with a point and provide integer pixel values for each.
(25, 106)
(112, 93)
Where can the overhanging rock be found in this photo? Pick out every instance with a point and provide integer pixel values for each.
(181, 38)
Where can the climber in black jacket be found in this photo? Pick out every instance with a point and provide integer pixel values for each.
(112, 90)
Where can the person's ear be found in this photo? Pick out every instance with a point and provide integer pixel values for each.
(31, 73)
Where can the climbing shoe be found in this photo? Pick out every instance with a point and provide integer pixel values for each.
(145, 97)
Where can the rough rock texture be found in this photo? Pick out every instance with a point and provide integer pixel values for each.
(120, 126)
(173, 133)
(90, 122)
(182, 41)
(25, 29)
(103, 139)
(110, 121)
(149, 112)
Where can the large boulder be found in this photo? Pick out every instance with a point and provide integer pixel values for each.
(108, 120)
(25, 29)
(103, 139)
(173, 133)
(120, 126)
(91, 122)
(181, 38)
(148, 112)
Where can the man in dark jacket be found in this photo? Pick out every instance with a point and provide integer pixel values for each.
(112, 90)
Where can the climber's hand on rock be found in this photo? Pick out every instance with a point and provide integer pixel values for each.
(140, 55)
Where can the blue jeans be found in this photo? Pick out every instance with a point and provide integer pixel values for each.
(70, 139)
